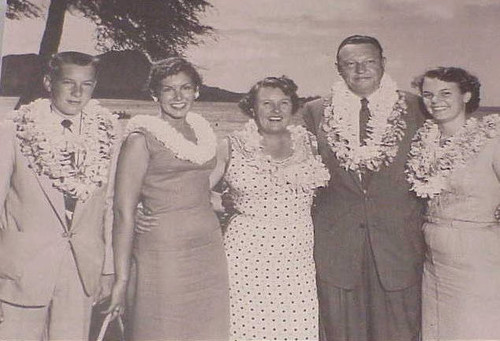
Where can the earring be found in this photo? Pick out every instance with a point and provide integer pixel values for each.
(196, 95)
(154, 98)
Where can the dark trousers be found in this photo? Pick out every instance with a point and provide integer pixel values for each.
(369, 312)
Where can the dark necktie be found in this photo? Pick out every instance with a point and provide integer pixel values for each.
(364, 116)
(69, 201)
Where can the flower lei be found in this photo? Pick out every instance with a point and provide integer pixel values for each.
(429, 164)
(304, 171)
(200, 152)
(50, 151)
(385, 128)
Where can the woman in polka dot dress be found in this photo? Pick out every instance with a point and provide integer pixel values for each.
(272, 172)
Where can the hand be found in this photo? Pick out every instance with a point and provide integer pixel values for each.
(144, 221)
(117, 303)
(105, 286)
(228, 203)
(1, 313)
(497, 213)
(216, 200)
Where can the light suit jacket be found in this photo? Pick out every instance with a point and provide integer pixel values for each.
(381, 205)
(33, 232)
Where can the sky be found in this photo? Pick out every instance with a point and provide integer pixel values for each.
(298, 38)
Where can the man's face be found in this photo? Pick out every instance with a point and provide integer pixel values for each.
(362, 67)
(72, 88)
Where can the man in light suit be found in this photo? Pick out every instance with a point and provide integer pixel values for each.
(368, 241)
(55, 228)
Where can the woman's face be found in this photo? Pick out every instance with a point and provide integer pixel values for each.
(444, 100)
(176, 95)
(273, 110)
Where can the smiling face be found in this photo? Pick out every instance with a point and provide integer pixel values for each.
(176, 95)
(444, 100)
(71, 88)
(273, 110)
(362, 67)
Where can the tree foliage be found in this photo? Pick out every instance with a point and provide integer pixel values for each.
(18, 9)
(158, 28)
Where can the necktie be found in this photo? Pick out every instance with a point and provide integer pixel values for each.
(69, 201)
(364, 116)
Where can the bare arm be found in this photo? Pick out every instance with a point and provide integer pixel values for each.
(222, 160)
(7, 159)
(496, 169)
(131, 169)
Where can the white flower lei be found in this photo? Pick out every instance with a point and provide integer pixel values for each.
(200, 152)
(385, 127)
(304, 170)
(49, 149)
(429, 164)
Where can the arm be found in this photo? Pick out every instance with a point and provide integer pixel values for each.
(108, 215)
(222, 161)
(107, 277)
(496, 169)
(496, 159)
(7, 159)
(131, 169)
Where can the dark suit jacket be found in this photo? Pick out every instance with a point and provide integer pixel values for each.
(382, 205)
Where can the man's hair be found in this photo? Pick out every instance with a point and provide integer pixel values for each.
(69, 57)
(359, 39)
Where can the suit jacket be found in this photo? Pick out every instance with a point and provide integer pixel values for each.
(33, 232)
(381, 205)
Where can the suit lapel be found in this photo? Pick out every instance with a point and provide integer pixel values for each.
(54, 197)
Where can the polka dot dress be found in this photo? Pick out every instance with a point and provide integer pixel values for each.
(269, 247)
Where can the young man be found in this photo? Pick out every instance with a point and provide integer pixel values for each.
(368, 240)
(55, 245)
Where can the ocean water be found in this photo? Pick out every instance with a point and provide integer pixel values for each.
(224, 117)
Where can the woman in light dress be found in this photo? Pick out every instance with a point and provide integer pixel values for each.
(455, 163)
(272, 170)
(181, 289)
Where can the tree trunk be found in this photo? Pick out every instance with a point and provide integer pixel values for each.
(49, 46)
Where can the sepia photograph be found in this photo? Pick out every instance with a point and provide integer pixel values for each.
(227, 170)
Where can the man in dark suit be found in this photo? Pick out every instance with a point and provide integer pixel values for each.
(368, 242)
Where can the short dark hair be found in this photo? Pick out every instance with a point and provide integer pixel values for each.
(288, 86)
(465, 81)
(69, 57)
(360, 39)
(169, 67)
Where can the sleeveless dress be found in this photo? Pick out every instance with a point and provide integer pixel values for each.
(269, 244)
(181, 281)
(461, 283)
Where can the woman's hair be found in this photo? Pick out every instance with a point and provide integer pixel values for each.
(465, 81)
(69, 57)
(285, 84)
(169, 67)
